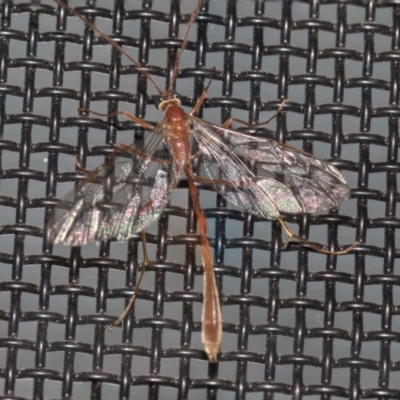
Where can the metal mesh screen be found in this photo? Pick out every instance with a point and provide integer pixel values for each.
(297, 324)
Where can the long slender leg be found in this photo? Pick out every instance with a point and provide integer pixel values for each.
(120, 146)
(131, 150)
(92, 176)
(285, 226)
(229, 122)
(124, 113)
(124, 146)
(133, 297)
(211, 319)
(315, 247)
(88, 173)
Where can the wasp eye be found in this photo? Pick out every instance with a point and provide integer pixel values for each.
(158, 100)
(176, 96)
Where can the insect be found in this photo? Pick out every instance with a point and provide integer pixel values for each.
(257, 175)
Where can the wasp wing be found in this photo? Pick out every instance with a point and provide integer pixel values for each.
(265, 177)
(128, 193)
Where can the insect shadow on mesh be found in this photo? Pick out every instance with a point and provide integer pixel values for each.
(257, 175)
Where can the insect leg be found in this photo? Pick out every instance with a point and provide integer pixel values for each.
(83, 169)
(124, 113)
(230, 121)
(92, 175)
(315, 247)
(285, 226)
(120, 146)
(211, 319)
(131, 150)
(133, 297)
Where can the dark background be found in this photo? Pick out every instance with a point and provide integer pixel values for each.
(296, 323)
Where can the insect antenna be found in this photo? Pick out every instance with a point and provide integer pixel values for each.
(181, 50)
(114, 44)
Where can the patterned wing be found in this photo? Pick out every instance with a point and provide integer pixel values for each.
(264, 177)
(125, 196)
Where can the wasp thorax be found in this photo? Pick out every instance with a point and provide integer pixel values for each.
(175, 114)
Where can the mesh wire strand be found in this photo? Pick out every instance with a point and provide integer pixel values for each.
(296, 323)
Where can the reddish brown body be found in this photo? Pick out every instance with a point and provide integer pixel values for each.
(177, 132)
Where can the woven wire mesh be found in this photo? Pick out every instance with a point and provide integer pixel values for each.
(296, 323)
